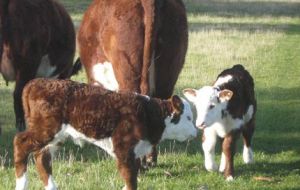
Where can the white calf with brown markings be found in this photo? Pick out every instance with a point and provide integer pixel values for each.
(225, 110)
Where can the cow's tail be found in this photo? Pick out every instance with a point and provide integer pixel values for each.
(149, 21)
(76, 67)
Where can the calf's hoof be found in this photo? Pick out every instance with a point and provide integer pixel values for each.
(148, 162)
(211, 167)
(229, 178)
(248, 155)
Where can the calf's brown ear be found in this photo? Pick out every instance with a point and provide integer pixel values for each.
(225, 95)
(177, 104)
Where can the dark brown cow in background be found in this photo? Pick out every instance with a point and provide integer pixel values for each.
(136, 45)
(37, 39)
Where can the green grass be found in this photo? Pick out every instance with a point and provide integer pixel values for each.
(262, 35)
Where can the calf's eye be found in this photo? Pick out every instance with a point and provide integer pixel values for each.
(189, 118)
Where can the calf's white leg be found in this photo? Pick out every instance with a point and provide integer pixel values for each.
(248, 155)
(208, 145)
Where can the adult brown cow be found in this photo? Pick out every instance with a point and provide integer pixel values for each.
(136, 45)
(37, 39)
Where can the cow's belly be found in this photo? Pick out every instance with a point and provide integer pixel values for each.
(7, 68)
(103, 74)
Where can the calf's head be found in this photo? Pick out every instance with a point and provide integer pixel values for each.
(179, 125)
(210, 104)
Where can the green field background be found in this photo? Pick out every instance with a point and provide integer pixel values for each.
(264, 36)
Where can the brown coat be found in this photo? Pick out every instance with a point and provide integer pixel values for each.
(34, 33)
(56, 109)
(144, 40)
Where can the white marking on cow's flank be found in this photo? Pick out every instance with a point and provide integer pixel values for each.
(21, 182)
(103, 73)
(51, 185)
(45, 68)
(142, 148)
(223, 80)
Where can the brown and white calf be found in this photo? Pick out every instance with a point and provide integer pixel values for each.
(225, 110)
(124, 124)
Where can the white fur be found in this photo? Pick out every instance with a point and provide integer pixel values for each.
(45, 68)
(223, 80)
(107, 145)
(215, 124)
(248, 155)
(79, 138)
(21, 182)
(208, 146)
(249, 114)
(226, 125)
(184, 129)
(229, 178)
(222, 163)
(207, 96)
(104, 74)
(51, 185)
(142, 148)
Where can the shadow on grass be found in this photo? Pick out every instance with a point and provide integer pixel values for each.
(270, 168)
(243, 8)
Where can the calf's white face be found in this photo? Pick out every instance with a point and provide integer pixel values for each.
(209, 103)
(182, 127)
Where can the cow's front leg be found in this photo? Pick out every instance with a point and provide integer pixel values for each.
(209, 139)
(228, 147)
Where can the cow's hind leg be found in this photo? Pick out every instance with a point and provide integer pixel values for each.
(24, 144)
(247, 132)
(44, 167)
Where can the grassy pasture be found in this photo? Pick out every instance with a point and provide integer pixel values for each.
(264, 36)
